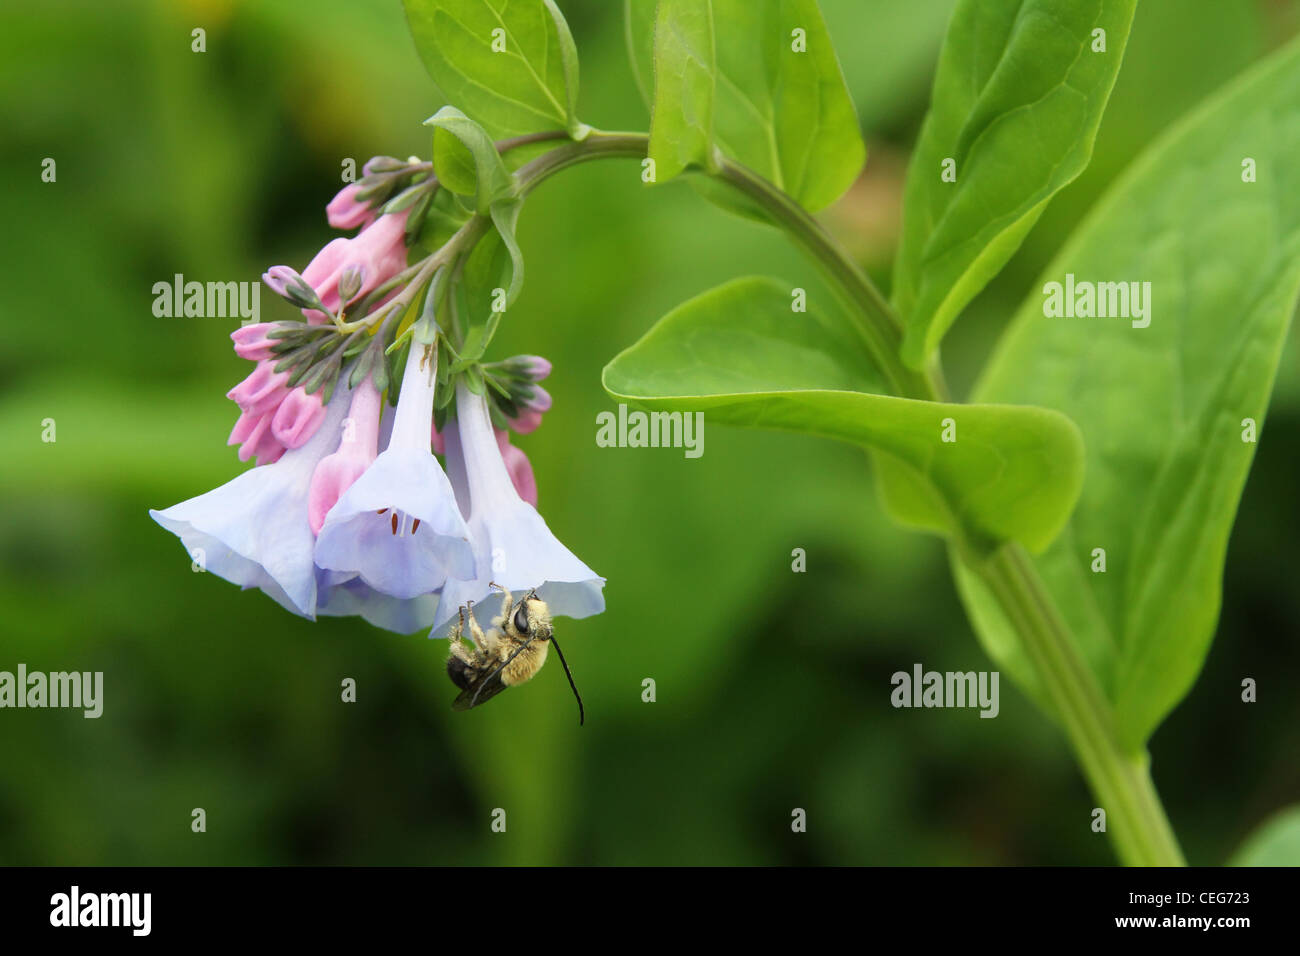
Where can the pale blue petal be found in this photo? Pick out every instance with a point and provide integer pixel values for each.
(513, 546)
(346, 598)
(520, 553)
(253, 530)
(355, 538)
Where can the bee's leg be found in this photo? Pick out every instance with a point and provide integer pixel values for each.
(456, 641)
(506, 600)
(485, 641)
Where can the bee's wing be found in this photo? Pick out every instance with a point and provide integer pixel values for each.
(490, 690)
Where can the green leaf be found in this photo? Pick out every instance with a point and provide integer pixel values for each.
(453, 164)
(569, 57)
(764, 87)
(444, 217)
(639, 26)
(1017, 100)
(1162, 407)
(505, 217)
(681, 130)
(1276, 843)
(496, 263)
(782, 106)
(528, 84)
(492, 181)
(740, 354)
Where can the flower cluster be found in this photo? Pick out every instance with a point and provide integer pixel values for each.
(348, 510)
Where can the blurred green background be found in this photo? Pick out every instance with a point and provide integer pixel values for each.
(773, 687)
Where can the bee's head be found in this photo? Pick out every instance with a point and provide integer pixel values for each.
(531, 618)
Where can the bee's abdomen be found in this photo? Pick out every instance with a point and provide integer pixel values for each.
(461, 674)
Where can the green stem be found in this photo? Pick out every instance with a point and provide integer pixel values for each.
(597, 145)
(1120, 778)
(881, 329)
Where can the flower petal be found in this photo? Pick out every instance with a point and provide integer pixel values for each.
(372, 530)
(298, 417)
(253, 530)
(399, 527)
(513, 546)
(353, 597)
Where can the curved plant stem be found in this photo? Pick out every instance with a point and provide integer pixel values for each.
(597, 145)
(1120, 779)
(881, 330)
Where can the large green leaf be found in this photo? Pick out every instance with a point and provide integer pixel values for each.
(1162, 407)
(681, 130)
(740, 355)
(758, 80)
(1017, 100)
(1276, 843)
(527, 84)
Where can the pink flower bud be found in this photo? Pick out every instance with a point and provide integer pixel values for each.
(534, 366)
(252, 432)
(262, 390)
(541, 399)
(381, 164)
(518, 467)
(350, 283)
(322, 274)
(279, 279)
(345, 211)
(245, 426)
(252, 343)
(268, 450)
(528, 421)
(379, 251)
(298, 417)
(530, 416)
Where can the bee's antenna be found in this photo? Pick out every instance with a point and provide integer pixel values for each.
(487, 680)
(569, 674)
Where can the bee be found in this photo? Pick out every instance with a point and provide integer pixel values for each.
(507, 654)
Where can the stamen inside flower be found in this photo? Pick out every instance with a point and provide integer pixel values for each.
(398, 522)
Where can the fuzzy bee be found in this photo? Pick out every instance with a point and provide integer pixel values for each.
(507, 654)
